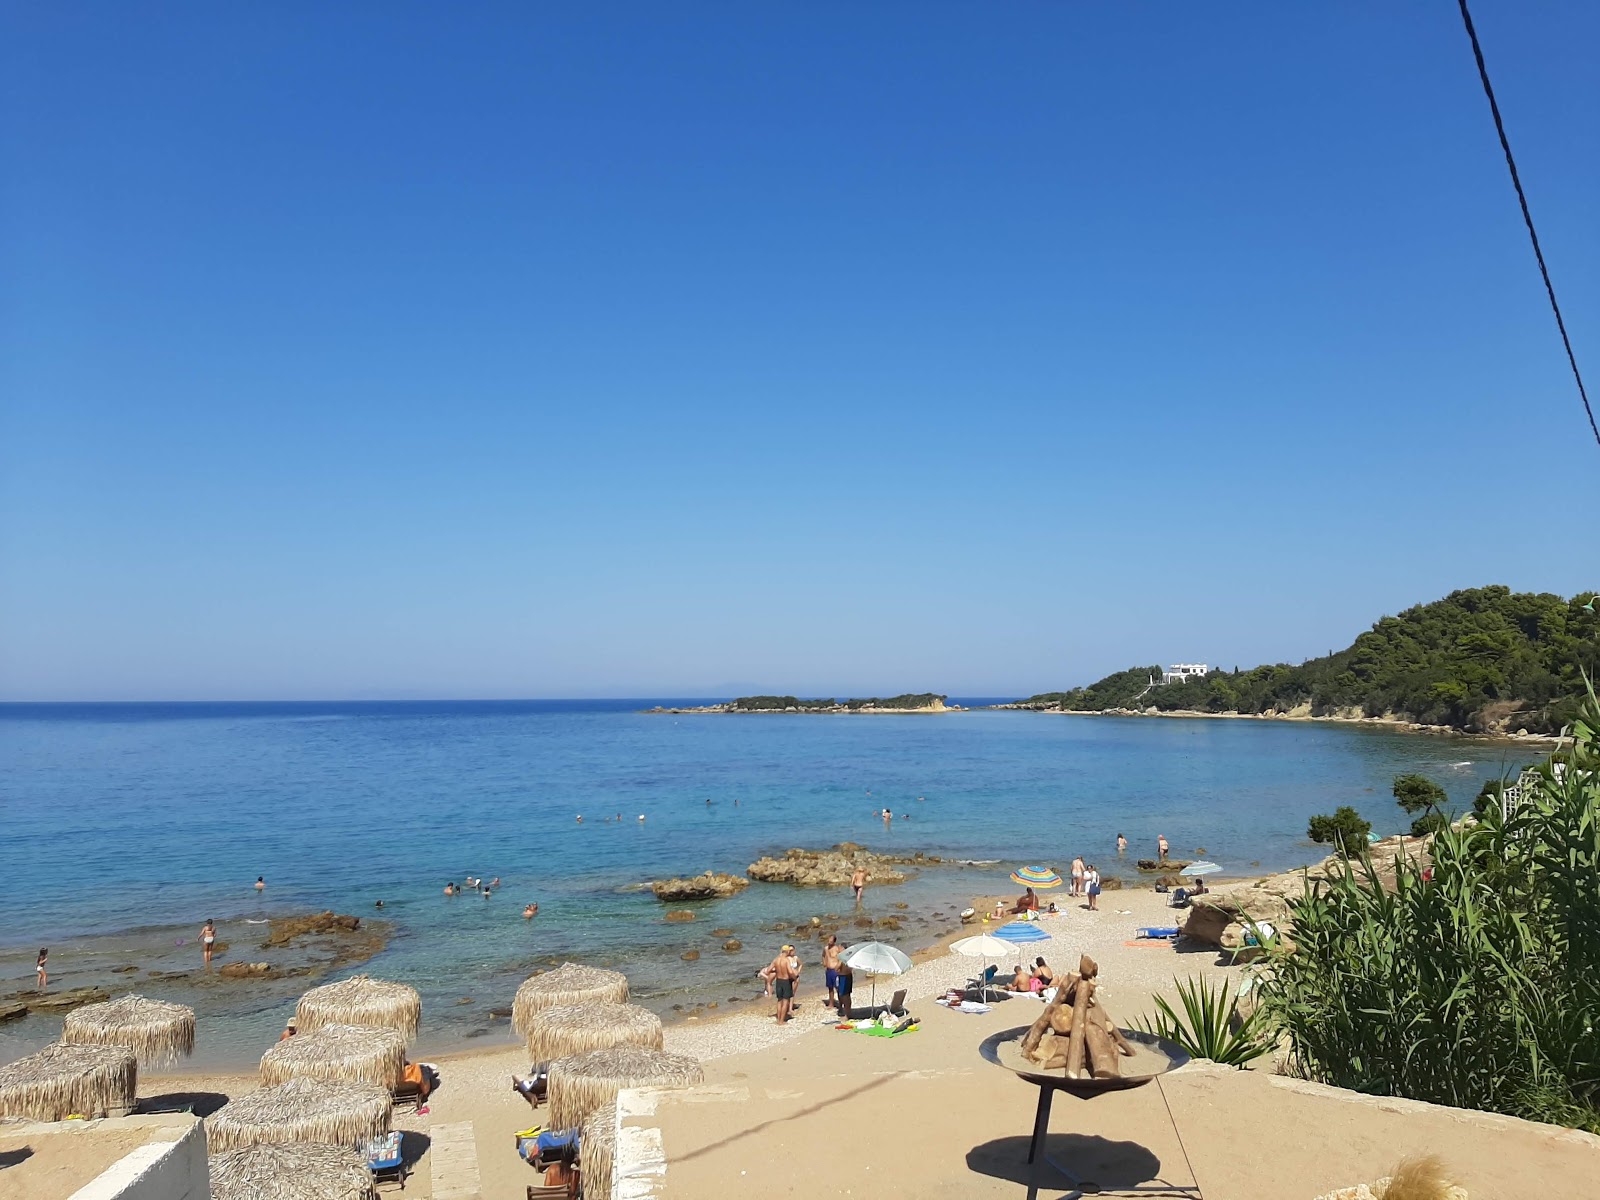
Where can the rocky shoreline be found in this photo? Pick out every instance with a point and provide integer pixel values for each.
(1303, 714)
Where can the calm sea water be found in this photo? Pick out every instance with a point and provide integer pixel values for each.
(125, 826)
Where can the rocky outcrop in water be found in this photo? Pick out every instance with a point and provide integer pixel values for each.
(284, 930)
(711, 885)
(825, 868)
(50, 1002)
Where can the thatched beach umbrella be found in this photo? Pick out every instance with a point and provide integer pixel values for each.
(569, 983)
(581, 1083)
(302, 1110)
(304, 1172)
(62, 1080)
(360, 1053)
(157, 1032)
(597, 1150)
(574, 1028)
(361, 1000)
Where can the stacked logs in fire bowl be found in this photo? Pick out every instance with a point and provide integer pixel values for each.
(1076, 1033)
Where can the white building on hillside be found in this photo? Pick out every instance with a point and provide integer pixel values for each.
(1183, 672)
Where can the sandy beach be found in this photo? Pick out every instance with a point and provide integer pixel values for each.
(923, 1115)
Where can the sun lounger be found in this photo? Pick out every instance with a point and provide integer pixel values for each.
(1156, 932)
(384, 1158)
(1180, 898)
(896, 1005)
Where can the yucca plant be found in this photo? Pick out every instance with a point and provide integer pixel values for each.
(1478, 988)
(1210, 1025)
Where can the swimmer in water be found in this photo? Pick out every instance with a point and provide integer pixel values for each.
(529, 911)
(261, 883)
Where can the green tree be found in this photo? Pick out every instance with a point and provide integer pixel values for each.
(1424, 799)
(1345, 829)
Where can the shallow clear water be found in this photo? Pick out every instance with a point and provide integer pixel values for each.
(125, 826)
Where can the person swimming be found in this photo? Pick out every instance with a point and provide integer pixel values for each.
(261, 883)
(529, 911)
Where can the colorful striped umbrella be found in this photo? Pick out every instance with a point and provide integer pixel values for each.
(1036, 877)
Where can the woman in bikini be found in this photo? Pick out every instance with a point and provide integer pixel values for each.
(208, 939)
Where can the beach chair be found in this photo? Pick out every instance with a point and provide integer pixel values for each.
(384, 1158)
(407, 1094)
(1180, 898)
(984, 981)
(896, 1005)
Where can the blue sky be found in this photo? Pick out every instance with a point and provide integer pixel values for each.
(382, 350)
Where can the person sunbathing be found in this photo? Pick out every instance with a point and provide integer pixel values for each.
(1019, 980)
(1027, 902)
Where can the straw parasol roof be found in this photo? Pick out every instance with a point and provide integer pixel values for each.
(361, 1053)
(597, 1150)
(569, 983)
(157, 1032)
(302, 1110)
(309, 1171)
(574, 1028)
(62, 1080)
(361, 1000)
(581, 1083)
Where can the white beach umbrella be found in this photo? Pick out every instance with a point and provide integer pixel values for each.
(1200, 868)
(987, 947)
(876, 958)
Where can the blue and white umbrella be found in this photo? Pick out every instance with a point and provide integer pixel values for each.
(876, 958)
(1021, 931)
(1200, 868)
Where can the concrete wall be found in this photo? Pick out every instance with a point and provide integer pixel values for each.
(172, 1168)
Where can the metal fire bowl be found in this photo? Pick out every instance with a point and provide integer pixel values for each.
(1154, 1056)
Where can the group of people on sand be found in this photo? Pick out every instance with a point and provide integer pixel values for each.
(782, 978)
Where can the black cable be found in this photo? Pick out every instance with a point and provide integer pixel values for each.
(1527, 217)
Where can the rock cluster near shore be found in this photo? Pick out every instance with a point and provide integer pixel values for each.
(711, 885)
(805, 868)
(1218, 918)
(826, 868)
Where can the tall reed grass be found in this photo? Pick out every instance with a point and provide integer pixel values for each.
(1479, 988)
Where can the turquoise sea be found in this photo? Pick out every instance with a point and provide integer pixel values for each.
(124, 826)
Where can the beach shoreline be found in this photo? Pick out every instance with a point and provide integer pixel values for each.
(1388, 724)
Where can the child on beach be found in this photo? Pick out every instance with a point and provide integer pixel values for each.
(208, 939)
(38, 967)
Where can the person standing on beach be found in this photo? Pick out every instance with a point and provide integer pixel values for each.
(785, 971)
(830, 970)
(38, 967)
(208, 939)
(1092, 879)
(1161, 846)
(858, 881)
(847, 983)
(1077, 876)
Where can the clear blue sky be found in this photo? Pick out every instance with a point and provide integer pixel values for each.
(371, 350)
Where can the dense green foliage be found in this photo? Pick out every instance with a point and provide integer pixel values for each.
(1477, 989)
(1478, 659)
(782, 703)
(1424, 799)
(1346, 829)
(1211, 1025)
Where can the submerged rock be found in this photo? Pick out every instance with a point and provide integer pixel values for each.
(690, 956)
(678, 915)
(284, 930)
(733, 945)
(62, 1001)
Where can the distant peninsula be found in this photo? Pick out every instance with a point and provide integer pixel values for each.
(1483, 660)
(919, 702)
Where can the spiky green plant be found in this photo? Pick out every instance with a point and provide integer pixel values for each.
(1478, 988)
(1210, 1025)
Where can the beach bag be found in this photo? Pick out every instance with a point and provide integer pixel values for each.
(1094, 889)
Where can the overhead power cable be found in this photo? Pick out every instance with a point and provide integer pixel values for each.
(1527, 217)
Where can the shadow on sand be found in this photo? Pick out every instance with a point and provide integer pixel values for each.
(1116, 1167)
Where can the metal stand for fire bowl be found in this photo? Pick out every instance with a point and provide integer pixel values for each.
(1051, 1082)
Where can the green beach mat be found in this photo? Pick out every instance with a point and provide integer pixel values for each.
(879, 1031)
